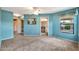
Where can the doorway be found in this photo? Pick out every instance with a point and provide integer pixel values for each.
(18, 25)
(44, 26)
(15, 25)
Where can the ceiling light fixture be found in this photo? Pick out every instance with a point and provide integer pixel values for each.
(35, 10)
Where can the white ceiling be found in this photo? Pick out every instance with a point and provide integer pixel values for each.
(29, 10)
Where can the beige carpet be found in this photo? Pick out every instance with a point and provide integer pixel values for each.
(42, 43)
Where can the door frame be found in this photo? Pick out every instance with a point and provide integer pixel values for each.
(22, 24)
(48, 23)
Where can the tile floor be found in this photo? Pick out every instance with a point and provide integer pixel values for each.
(41, 43)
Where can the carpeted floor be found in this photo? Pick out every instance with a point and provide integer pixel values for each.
(42, 43)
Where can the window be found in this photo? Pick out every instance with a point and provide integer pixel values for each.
(67, 24)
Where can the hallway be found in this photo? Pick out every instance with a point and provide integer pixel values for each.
(26, 43)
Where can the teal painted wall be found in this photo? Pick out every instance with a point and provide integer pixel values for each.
(35, 29)
(56, 26)
(31, 29)
(78, 24)
(6, 24)
(0, 25)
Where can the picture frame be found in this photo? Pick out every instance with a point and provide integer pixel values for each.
(31, 21)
